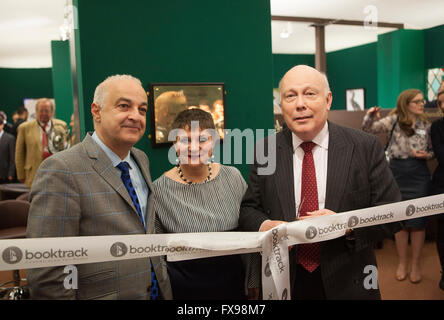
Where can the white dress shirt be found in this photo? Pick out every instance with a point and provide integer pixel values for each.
(136, 175)
(48, 129)
(320, 157)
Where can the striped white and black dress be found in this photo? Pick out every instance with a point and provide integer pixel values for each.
(205, 207)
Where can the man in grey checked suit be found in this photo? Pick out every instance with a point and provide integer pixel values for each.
(351, 173)
(79, 192)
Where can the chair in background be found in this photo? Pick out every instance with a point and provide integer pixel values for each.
(24, 196)
(13, 221)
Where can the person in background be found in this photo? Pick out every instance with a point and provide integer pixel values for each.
(104, 184)
(22, 114)
(8, 127)
(321, 168)
(37, 140)
(198, 195)
(7, 153)
(409, 147)
(437, 133)
(15, 117)
(167, 107)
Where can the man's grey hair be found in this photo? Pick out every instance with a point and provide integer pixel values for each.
(43, 100)
(324, 78)
(102, 89)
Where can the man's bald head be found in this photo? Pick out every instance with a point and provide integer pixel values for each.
(300, 69)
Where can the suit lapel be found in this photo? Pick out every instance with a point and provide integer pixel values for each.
(339, 158)
(284, 177)
(35, 132)
(104, 167)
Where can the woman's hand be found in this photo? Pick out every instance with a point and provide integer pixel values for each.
(374, 112)
(421, 154)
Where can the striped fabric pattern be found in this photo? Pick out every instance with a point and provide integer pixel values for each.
(205, 207)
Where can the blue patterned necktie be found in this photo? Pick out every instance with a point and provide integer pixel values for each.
(126, 179)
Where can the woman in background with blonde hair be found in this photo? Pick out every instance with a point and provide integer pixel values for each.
(408, 148)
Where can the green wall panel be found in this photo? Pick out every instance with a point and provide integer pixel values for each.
(350, 69)
(284, 62)
(62, 80)
(434, 47)
(17, 84)
(401, 64)
(181, 41)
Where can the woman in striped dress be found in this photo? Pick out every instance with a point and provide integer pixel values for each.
(198, 195)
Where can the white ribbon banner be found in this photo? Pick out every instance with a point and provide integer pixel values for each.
(50, 252)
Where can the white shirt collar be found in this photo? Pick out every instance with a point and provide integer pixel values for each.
(115, 159)
(321, 138)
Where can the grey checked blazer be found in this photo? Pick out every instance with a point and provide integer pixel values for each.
(357, 177)
(78, 192)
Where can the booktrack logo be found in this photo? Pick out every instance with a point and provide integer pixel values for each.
(12, 255)
(118, 249)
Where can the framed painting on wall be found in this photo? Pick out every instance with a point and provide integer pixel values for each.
(167, 100)
(355, 99)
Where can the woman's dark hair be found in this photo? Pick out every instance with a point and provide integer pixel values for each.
(184, 119)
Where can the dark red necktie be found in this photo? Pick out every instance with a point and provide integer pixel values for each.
(46, 153)
(308, 254)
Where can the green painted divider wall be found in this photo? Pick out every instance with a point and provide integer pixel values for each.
(400, 64)
(353, 68)
(284, 62)
(181, 41)
(62, 80)
(18, 84)
(434, 47)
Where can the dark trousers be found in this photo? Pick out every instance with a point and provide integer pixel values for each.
(308, 286)
(440, 238)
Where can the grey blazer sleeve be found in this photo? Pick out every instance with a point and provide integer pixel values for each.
(54, 212)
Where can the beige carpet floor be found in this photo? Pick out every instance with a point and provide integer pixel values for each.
(392, 289)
